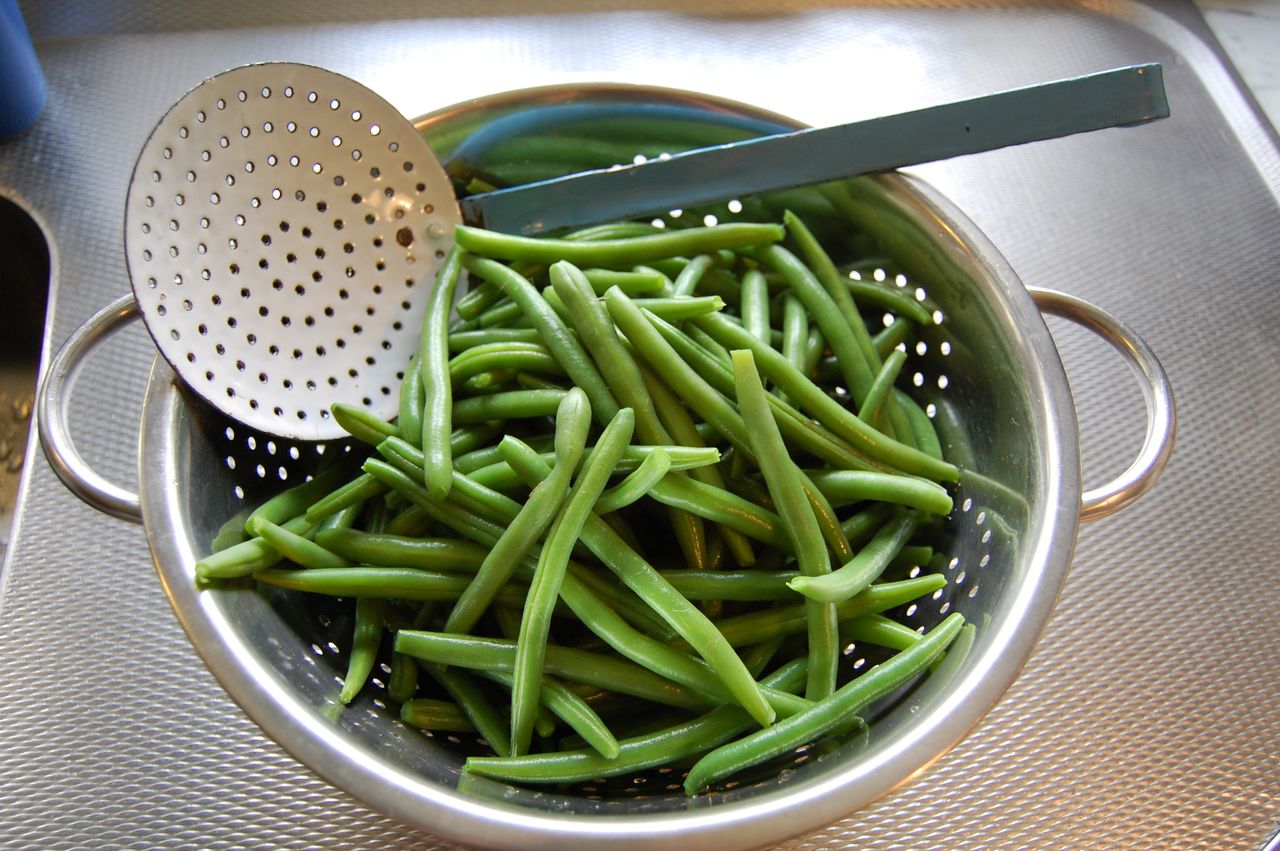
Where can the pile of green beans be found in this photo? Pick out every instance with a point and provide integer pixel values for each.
(644, 486)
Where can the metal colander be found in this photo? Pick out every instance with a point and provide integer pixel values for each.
(987, 373)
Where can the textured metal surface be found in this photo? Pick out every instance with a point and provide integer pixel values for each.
(1146, 717)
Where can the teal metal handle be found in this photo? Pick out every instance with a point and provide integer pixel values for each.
(1119, 97)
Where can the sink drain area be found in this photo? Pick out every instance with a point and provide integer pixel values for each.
(25, 268)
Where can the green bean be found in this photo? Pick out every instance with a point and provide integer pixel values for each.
(480, 298)
(529, 381)
(859, 527)
(678, 422)
(863, 569)
(487, 532)
(795, 331)
(636, 485)
(783, 479)
(403, 583)
(412, 403)
(751, 585)
(708, 344)
(637, 753)
(617, 252)
(410, 522)
(825, 271)
(814, 348)
(402, 682)
(844, 487)
(501, 477)
(758, 656)
(595, 669)
(299, 498)
(355, 492)
(553, 562)
(469, 438)
(687, 278)
(504, 315)
(826, 315)
(508, 405)
(890, 300)
(440, 554)
(248, 556)
(696, 371)
(480, 458)
(684, 381)
(691, 624)
(461, 341)
(926, 436)
(633, 283)
(231, 532)
(882, 387)
(624, 380)
(361, 424)
(293, 546)
(755, 305)
(433, 364)
(342, 519)
(677, 309)
(555, 334)
(723, 507)
(816, 721)
(366, 636)
(612, 230)
(475, 705)
(892, 337)
(827, 410)
(440, 715)
(532, 357)
(572, 422)
(879, 630)
(752, 627)
(570, 708)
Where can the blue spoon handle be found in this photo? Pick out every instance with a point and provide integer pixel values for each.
(1123, 96)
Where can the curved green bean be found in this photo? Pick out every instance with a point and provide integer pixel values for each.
(635, 485)
(573, 419)
(863, 569)
(881, 389)
(508, 405)
(844, 487)
(433, 364)
(530, 357)
(691, 624)
(623, 253)
(755, 305)
(557, 337)
(361, 424)
(295, 547)
(428, 714)
(366, 636)
(813, 723)
(442, 554)
(634, 754)
(413, 402)
(553, 562)
(783, 480)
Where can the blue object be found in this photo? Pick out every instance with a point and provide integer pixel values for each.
(1119, 97)
(23, 91)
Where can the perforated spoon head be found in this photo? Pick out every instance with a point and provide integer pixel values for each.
(282, 229)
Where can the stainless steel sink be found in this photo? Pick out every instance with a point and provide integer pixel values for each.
(25, 269)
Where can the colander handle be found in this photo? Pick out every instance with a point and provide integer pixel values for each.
(1140, 475)
(51, 406)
